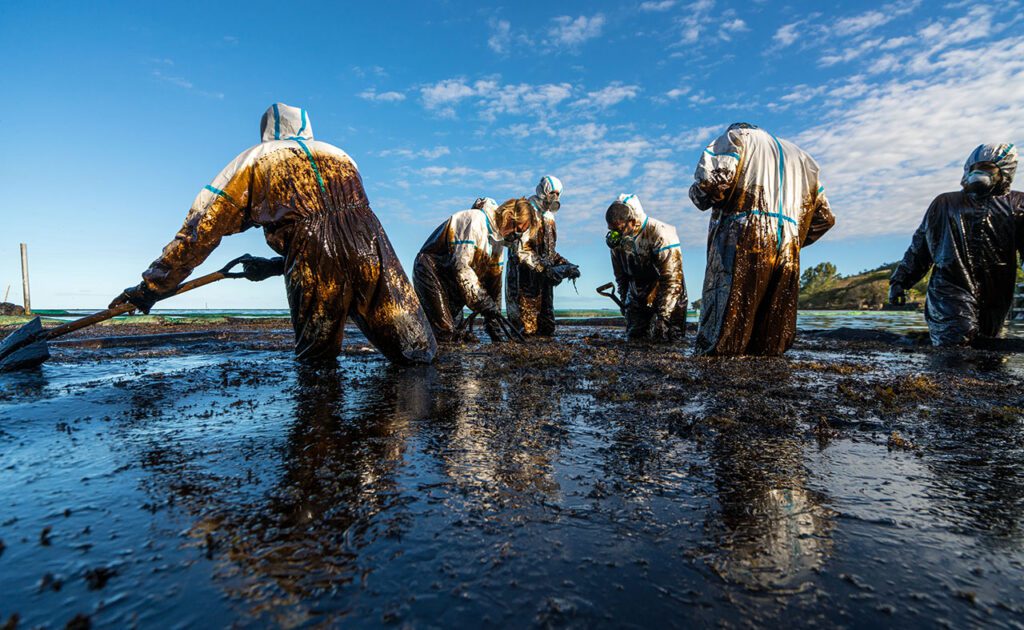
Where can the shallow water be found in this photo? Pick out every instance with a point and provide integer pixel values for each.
(588, 483)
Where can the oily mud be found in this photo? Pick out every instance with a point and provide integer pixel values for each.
(575, 482)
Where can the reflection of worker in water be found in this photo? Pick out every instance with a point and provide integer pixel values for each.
(341, 472)
(767, 202)
(309, 199)
(460, 265)
(970, 240)
(648, 266)
(535, 268)
(497, 450)
(771, 529)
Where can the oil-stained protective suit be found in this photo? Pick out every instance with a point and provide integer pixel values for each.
(970, 242)
(309, 199)
(460, 265)
(767, 202)
(530, 281)
(648, 268)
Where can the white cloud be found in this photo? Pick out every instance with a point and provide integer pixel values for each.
(501, 35)
(178, 81)
(608, 96)
(521, 98)
(786, 35)
(654, 6)
(492, 98)
(729, 27)
(900, 141)
(869, 20)
(675, 93)
(381, 97)
(376, 71)
(442, 96)
(695, 19)
(700, 98)
(427, 154)
(568, 32)
(848, 37)
(443, 174)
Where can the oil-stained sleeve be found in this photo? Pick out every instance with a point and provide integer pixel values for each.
(918, 259)
(526, 250)
(469, 240)
(822, 218)
(220, 209)
(668, 258)
(492, 279)
(716, 172)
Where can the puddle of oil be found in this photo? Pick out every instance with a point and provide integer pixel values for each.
(585, 486)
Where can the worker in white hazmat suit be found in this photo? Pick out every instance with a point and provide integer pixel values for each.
(535, 268)
(460, 266)
(767, 202)
(648, 265)
(337, 262)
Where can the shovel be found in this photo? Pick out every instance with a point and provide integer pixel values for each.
(26, 347)
(608, 290)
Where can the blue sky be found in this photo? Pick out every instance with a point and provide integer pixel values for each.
(116, 114)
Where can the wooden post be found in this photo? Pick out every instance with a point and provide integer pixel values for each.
(24, 279)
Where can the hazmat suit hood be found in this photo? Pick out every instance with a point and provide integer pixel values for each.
(283, 122)
(486, 204)
(636, 210)
(1004, 156)
(547, 185)
(548, 191)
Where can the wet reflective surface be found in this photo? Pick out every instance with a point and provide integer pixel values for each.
(580, 483)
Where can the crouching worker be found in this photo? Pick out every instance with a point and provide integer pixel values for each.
(648, 266)
(767, 203)
(460, 265)
(336, 259)
(970, 240)
(535, 268)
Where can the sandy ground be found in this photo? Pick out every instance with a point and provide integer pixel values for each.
(196, 475)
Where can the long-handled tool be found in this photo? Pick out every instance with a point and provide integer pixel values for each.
(608, 290)
(26, 347)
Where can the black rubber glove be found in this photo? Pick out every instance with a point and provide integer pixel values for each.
(494, 330)
(897, 295)
(659, 329)
(257, 269)
(138, 296)
(556, 273)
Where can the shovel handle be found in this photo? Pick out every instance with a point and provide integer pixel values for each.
(121, 309)
(608, 290)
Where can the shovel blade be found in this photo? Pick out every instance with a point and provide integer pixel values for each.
(25, 357)
(23, 348)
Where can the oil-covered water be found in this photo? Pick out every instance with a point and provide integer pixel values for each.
(579, 483)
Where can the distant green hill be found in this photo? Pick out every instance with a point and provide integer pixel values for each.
(822, 288)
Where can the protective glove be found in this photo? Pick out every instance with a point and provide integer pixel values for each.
(494, 330)
(139, 296)
(573, 271)
(556, 273)
(659, 329)
(897, 294)
(257, 269)
(489, 309)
